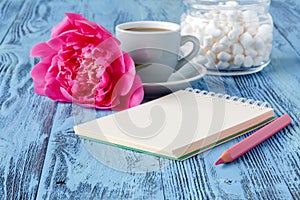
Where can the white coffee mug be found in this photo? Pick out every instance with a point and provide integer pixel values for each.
(155, 44)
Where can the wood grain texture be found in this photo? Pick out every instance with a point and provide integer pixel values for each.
(41, 158)
(25, 118)
(286, 15)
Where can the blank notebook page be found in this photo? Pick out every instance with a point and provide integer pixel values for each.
(177, 124)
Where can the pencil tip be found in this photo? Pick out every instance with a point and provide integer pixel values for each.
(220, 161)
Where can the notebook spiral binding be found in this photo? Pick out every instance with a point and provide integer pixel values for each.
(228, 98)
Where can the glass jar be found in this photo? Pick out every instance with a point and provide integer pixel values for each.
(235, 36)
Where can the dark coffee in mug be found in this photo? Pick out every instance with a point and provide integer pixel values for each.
(147, 29)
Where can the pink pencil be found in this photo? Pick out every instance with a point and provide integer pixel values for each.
(253, 140)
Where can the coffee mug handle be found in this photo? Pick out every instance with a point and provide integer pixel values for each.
(192, 54)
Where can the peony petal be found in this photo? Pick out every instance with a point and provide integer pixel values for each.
(66, 94)
(39, 87)
(114, 54)
(105, 34)
(137, 92)
(124, 84)
(61, 27)
(124, 64)
(129, 63)
(132, 98)
(125, 81)
(53, 91)
(68, 23)
(38, 74)
(55, 44)
(77, 20)
(73, 37)
(72, 17)
(39, 71)
(53, 69)
(86, 27)
(52, 86)
(41, 50)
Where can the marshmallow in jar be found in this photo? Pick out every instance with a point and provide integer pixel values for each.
(235, 36)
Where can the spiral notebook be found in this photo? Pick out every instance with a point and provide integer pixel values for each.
(179, 125)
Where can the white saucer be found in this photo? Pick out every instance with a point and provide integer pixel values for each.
(186, 76)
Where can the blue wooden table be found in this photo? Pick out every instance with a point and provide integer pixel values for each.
(41, 158)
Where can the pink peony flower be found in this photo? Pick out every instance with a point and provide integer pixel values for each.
(82, 63)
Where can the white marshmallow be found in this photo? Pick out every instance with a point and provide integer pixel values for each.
(238, 59)
(186, 29)
(266, 37)
(210, 28)
(266, 56)
(249, 16)
(265, 32)
(251, 27)
(208, 15)
(202, 52)
(237, 49)
(239, 28)
(224, 27)
(248, 62)
(210, 65)
(195, 27)
(251, 52)
(199, 35)
(210, 56)
(222, 15)
(224, 56)
(265, 28)
(259, 43)
(215, 16)
(224, 40)
(260, 46)
(232, 3)
(246, 40)
(186, 18)
(233, 36)
(201, 59)
(232, 16)
(217, 47)
(258, 60)
(222, 65)
(207, 41)
(217, 33)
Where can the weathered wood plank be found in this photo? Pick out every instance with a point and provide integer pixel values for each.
(286, 17)
(25, 122)
(111, 13)
(25, 118)
(8, 13)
